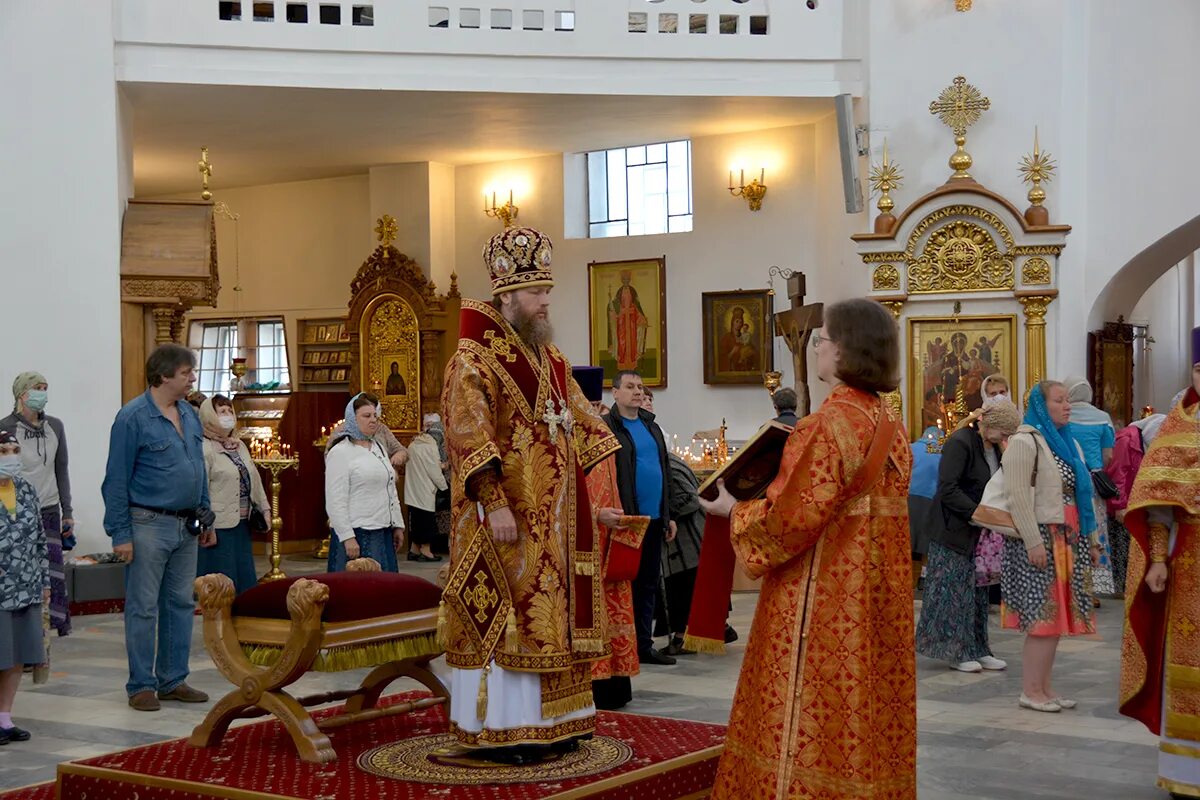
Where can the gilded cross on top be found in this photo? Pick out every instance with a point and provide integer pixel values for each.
(959, 106)
(386, 229)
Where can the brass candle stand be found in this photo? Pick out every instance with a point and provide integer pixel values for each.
(277, 464)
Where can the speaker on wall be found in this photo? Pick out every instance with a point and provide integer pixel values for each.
(848, 144)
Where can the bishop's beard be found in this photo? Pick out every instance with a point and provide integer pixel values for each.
(533, 330)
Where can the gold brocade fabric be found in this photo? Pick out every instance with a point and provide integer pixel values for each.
(1163, 634)
(495, 393)
(826, 702)
(618, 595)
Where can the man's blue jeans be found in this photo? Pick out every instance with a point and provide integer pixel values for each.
(159, 605)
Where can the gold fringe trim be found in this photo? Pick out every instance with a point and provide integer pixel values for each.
(700, 644)
(359, 656)
(587, 645)
(441, 624)
(576, 702)
(512, 640)
(481, 699)
(585, 568)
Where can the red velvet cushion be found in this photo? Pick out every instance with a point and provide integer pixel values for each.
(352, 596)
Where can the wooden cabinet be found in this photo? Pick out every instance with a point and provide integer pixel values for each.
(324, 350)
(259, 413)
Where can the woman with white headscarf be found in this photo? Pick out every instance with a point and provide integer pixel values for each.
(360, 491)
(993, 389)
(423, 479)
(1093, 430)
(1131, 444)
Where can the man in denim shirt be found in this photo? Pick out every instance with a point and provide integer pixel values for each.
(154, 488)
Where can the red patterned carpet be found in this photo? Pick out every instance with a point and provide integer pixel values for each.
(670, 759)
(38, 791)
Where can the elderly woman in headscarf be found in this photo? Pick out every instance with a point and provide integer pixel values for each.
(423, 479)
(993, 389)
(44, 465)
(954, 612)
(437, 429)
(234, 489)
(24, 582)
(1045, 562)
(360, 491)
(1094, 431)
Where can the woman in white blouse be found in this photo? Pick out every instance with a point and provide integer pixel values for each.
(360, 491)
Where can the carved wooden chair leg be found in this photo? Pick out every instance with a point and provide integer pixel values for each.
(381, 677)
(311, 744)
(211, 730)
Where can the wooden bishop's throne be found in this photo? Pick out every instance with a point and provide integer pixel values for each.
(402, 334)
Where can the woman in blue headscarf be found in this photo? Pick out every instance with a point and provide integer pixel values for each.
(360, 491)
(1046, 564)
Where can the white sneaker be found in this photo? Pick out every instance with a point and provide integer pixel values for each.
(968, 666)
(991, 662)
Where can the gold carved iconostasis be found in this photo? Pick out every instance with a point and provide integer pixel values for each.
(968, 277)
(402, 334)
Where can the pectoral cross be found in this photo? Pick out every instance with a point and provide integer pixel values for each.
(796, 326)
(564, 418)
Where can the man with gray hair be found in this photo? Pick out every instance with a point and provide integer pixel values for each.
(156, 509)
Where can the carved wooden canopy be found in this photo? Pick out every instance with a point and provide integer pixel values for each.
(402, 334)
(169, 254)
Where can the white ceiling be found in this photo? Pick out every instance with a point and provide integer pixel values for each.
(258, 135)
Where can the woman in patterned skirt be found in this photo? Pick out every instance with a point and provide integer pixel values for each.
(1046, 564)
(954, 611)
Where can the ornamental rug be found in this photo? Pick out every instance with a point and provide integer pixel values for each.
(36, 791)
(654, 757)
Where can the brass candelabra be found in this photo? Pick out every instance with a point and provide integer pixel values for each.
(277, 464)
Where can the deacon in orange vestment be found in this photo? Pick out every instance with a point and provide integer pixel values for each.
(1160, 653)
(520, 436)
(826, 704)
(620, 550)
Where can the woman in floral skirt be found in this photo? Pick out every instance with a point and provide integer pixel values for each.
(954, 610)
(1047, 563)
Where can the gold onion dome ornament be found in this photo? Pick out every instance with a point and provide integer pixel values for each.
(1035, 170)
(958, 107)
(885, 178)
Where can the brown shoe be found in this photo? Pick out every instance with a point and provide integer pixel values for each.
(144, 701)
(184, 694)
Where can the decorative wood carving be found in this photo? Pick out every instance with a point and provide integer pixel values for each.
(396, 310)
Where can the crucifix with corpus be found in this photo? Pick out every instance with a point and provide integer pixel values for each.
(796, 326)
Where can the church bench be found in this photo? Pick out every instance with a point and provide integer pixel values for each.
(267, 638)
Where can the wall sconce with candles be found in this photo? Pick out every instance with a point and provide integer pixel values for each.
(753, 191)
(506, 213)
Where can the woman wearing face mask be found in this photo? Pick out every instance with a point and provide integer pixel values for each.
(24, 582)
(360, 491)
(234, 488)
(994, 388)
(44, 465)
(954, 613)
(1045, 564)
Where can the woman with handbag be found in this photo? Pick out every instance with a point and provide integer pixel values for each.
(1093, 430)
(1046, 560)
(954, 610)
(237, 496)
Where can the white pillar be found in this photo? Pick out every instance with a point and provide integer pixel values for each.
(65, 158)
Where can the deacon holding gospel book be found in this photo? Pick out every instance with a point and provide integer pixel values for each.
(826, 702)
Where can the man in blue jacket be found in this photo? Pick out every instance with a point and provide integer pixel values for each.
(156, 508)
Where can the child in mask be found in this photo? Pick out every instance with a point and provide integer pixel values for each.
(24, 582)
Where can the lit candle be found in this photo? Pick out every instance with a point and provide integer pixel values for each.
(762, 175)
(485, 205)
(742, 178)
(731, 179)
(510, 197)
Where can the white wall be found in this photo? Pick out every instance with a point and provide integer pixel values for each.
(1169, 308)
(297, 247)
(65, 161)
(729, 248)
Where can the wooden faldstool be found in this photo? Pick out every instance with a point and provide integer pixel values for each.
(264, 640)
